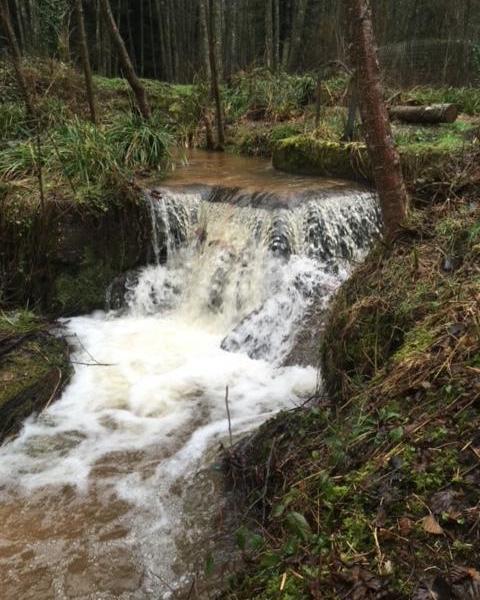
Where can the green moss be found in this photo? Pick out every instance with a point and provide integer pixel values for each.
(309, 156)
(421, 160)
(34, 367)
(83, 291)
(416, 342)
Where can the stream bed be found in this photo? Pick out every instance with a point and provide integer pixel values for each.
(114, 491)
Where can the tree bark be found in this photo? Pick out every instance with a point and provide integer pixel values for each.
(16, 58)
(435, 113)
(85, 60)
(297, 31)
(349, 129)
(381, 147)
(204, 39)
(276, 36)
(126, 63)
(269, 56)
(212, 30)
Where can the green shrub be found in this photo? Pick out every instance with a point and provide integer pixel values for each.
(13, 121)
(18, 159)
(83, 152)
(139, 143)
(466, 98)
(279, 95)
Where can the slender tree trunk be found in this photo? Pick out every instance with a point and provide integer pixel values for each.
(212, 30)
(85, 59)
(297, 31)
(349, 129)
(152, 40)
(269, 54)
(216, 20)
(126, 63)
(276, 36)
(204, 39)
(142, 39)
(131, 41)
(378, 132)
(16, 58)
(21, 32)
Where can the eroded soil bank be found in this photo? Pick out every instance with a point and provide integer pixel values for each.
(374, 492)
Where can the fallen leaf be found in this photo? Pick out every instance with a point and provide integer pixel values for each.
(431, 525)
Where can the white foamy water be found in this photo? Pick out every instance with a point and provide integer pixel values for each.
(105, 494)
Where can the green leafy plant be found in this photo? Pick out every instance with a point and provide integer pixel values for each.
(139, 143)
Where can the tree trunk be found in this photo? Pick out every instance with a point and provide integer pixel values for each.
(297, 31)
(435, 113)
(204, 39)
(217, 25)
(349, 129)
(318, 101)
(126, 63)
(269, 58)
(21, 32)
(16, 58)
(212, 30)
(381, 147)
(276, 37)
(85, 59)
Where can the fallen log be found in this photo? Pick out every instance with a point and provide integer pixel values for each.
(434, 113)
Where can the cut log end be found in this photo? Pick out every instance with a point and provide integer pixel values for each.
(432, 114)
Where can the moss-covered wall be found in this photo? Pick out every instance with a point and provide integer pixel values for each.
(61, 259)
(423, 162)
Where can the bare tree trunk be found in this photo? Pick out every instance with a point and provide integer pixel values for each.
(378, 132)
(297, 31)
(276, 36)
(16, 58)
(349, 129)
(269, 58)
(21, 32)
(204, 39)
(152, 40)
(85, 59)
(126, 63)
(212, 30)
(142, 39)
(216, 19)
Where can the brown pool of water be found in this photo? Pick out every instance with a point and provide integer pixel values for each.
(248, 173)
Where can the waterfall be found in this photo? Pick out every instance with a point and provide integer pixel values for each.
(109, 490)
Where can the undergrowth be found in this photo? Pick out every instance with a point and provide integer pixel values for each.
(374, 492)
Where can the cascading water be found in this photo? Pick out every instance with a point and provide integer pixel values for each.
(106, 494)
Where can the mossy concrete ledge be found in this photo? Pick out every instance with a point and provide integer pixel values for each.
(306, 155)
(422, 162)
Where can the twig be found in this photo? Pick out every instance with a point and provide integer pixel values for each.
(95, 364)
(228, 416)
(52, 396)
(95, 361)
(267, 477)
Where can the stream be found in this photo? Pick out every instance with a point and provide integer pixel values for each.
(114, 491)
